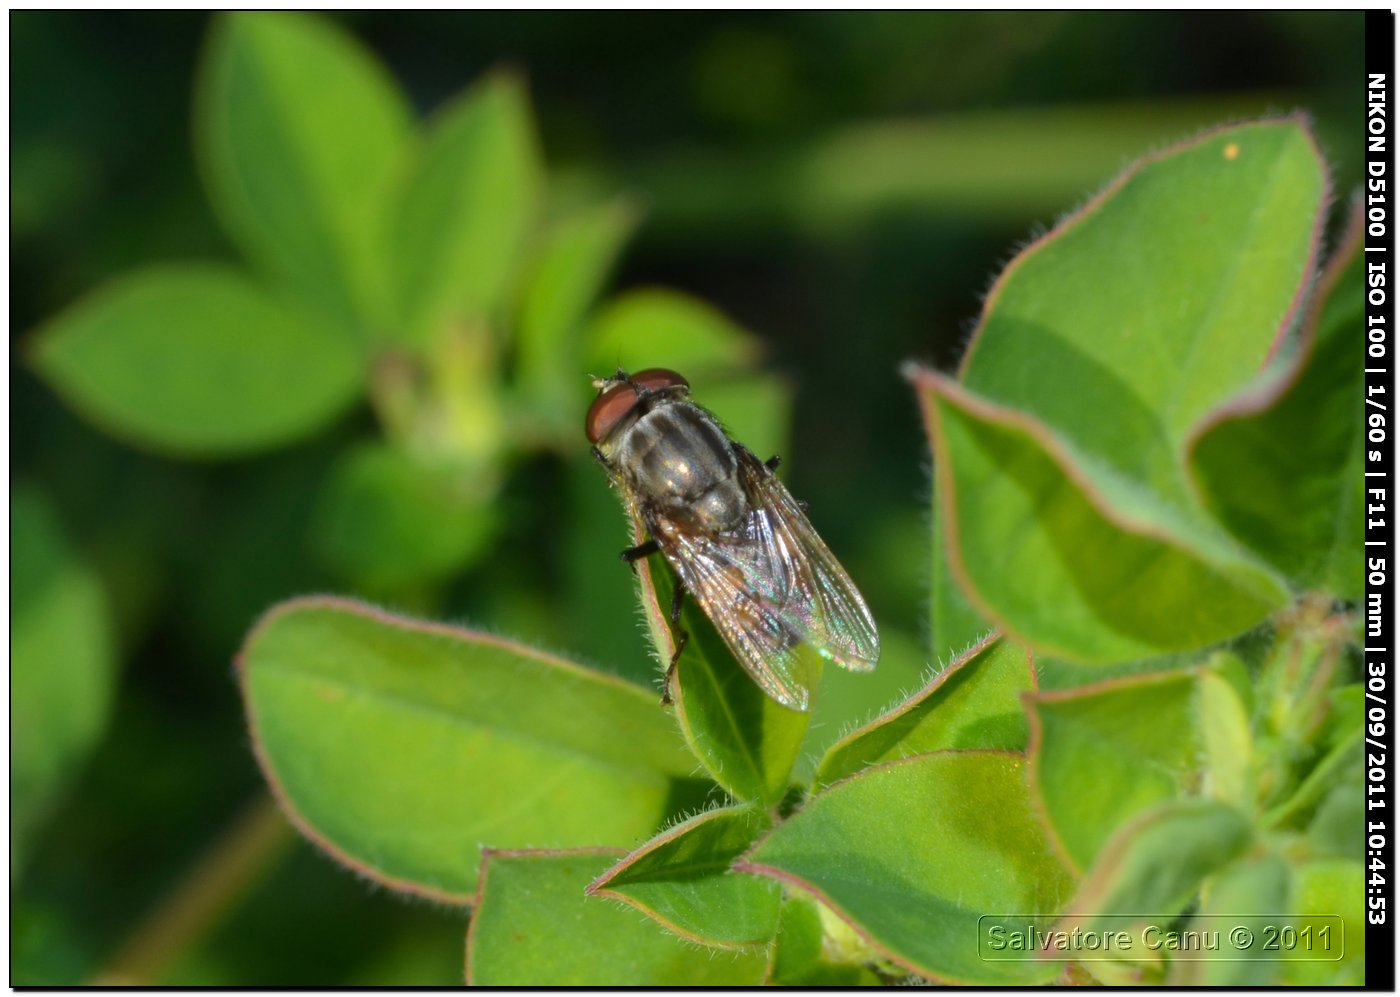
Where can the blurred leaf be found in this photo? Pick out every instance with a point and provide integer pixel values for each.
(197, 361)
(681, 878)
(465, 211)
(389, 519)
(1077, 572)
(754, 409)
(299, 132)
(45, 948)
(656, 327)
(1102, 754)
(61, 664)
(1278, 464)
(600, 591)
(799, 953)
(566, 280)
(746, 740)
(968, 163)
(1154, 866)
(403, 748)
(913, 853)
(1336, 887)
(1223, 723)
(1338, 827)
(1252, 886)
(973, 703)
(534, 926)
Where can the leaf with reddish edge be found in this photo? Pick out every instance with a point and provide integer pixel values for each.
(1279, 464)
(403, 747)
(1154, 865)
(954, 623)
(914, 855)
(805, 956)
(746, 740)
(1158, 299)
(973, 703)
(1076, 571)
(1101, 754)
(534, 926)
(681, 878)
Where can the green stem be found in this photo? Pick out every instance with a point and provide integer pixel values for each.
(1323, 777)
(221, 877)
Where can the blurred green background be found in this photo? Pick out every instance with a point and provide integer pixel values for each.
(842, 185)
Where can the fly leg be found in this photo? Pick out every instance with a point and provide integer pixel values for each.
(681, 636)
(632, 554)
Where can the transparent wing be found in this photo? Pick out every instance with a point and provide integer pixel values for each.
(726, 575)
(770, 585)
(818, 599)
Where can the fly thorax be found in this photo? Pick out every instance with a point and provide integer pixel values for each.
(682, 460)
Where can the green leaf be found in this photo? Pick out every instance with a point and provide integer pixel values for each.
(973, 703)
(912, 854)
(1154, 866)
(800, 958)
(299, 132)
(197, 361)
(682, 879)
(1278, 464)
(1337, 887)
(1229, 747)
(403, 748)
(851, 700)
(1338, 826)
(61, 664)
(954, 623)
(466, 211)
(534, 926)
(566, 279)
(1102, 754)
(746, 740)
(1077, 332)
(1077, 572)
(1066, 514)
(1250, 887)
(389, 519)
(656, 327)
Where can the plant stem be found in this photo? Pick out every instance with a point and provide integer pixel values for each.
(220, 877)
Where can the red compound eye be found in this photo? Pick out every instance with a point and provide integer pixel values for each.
(609, 408)
(656, 378)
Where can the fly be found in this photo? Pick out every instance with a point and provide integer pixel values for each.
(735, 537)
